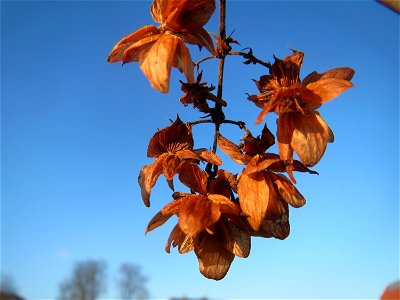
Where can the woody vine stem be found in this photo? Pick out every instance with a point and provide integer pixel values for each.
(218, 116)
(218, 107)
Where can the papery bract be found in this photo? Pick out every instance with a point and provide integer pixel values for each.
(172, 147)
(263, 194)
(198, 94)
(300, 127)
(209, 222)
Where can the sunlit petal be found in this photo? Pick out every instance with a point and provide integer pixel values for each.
(329, 88)
(148, 176)
(253, 194)
(214, 260)
(232, 150)
(172, 139)
(196, 214)
(193, 177)
(118, 51)
(287, 190)
(159, 219)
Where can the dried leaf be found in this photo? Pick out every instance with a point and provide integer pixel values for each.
(267, 139)
(264, 84)
(241, 241)
(148, 176)
(186, 17)
(160, 9)
(214, 260)
(209, 156)
(284, 136)
(226, 206)
(279, 228)
(139, 49)
(187, 154)
(193, 177)
(171, 166)
(229, 177)
(258, 164)
(310, 138)
(199, 36)
(288, 191)
(251, 145)
(233, 151)
(178, 195)
(172, 207)
(276, 204)
(173, 139)
(172, 239)
(159, 219)
(119, 49)
(184, 62)
(289, 167)
(329, 88)
(220, 185)
(253, 194)
(263, 113)
(340, 73)
(306, 134)
(288, 69)
(145, 183)
(186, 244)
(167, 52)
(197, 213)
(178, 238)
(181, 14)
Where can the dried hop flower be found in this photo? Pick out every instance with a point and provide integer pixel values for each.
(300, 127)
(172, 147)
(210, 223)
(158, 49)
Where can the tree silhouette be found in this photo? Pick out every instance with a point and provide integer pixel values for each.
(87, 281)
(131, 282)
(8, 289)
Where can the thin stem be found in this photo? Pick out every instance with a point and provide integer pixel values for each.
(218, 114)
(240, 124)
(222, 35)
(199, 122)
(202, 60)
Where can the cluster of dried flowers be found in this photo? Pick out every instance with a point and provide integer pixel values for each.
(221, 211)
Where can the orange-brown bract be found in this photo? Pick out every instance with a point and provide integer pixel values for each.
(158, 49)
(300, 127)
(172, 147)
(209, 222)
(198, 94)
(263, 194)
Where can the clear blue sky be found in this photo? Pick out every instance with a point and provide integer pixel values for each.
(74, 134)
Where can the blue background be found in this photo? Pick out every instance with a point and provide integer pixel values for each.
(75, 130)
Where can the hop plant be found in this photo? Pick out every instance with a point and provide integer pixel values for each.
(220, 211)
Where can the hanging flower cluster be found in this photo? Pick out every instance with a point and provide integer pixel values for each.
(220, 211)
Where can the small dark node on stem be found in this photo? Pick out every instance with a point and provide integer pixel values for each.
(211, 170)
(217, 115)
(224, 46)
